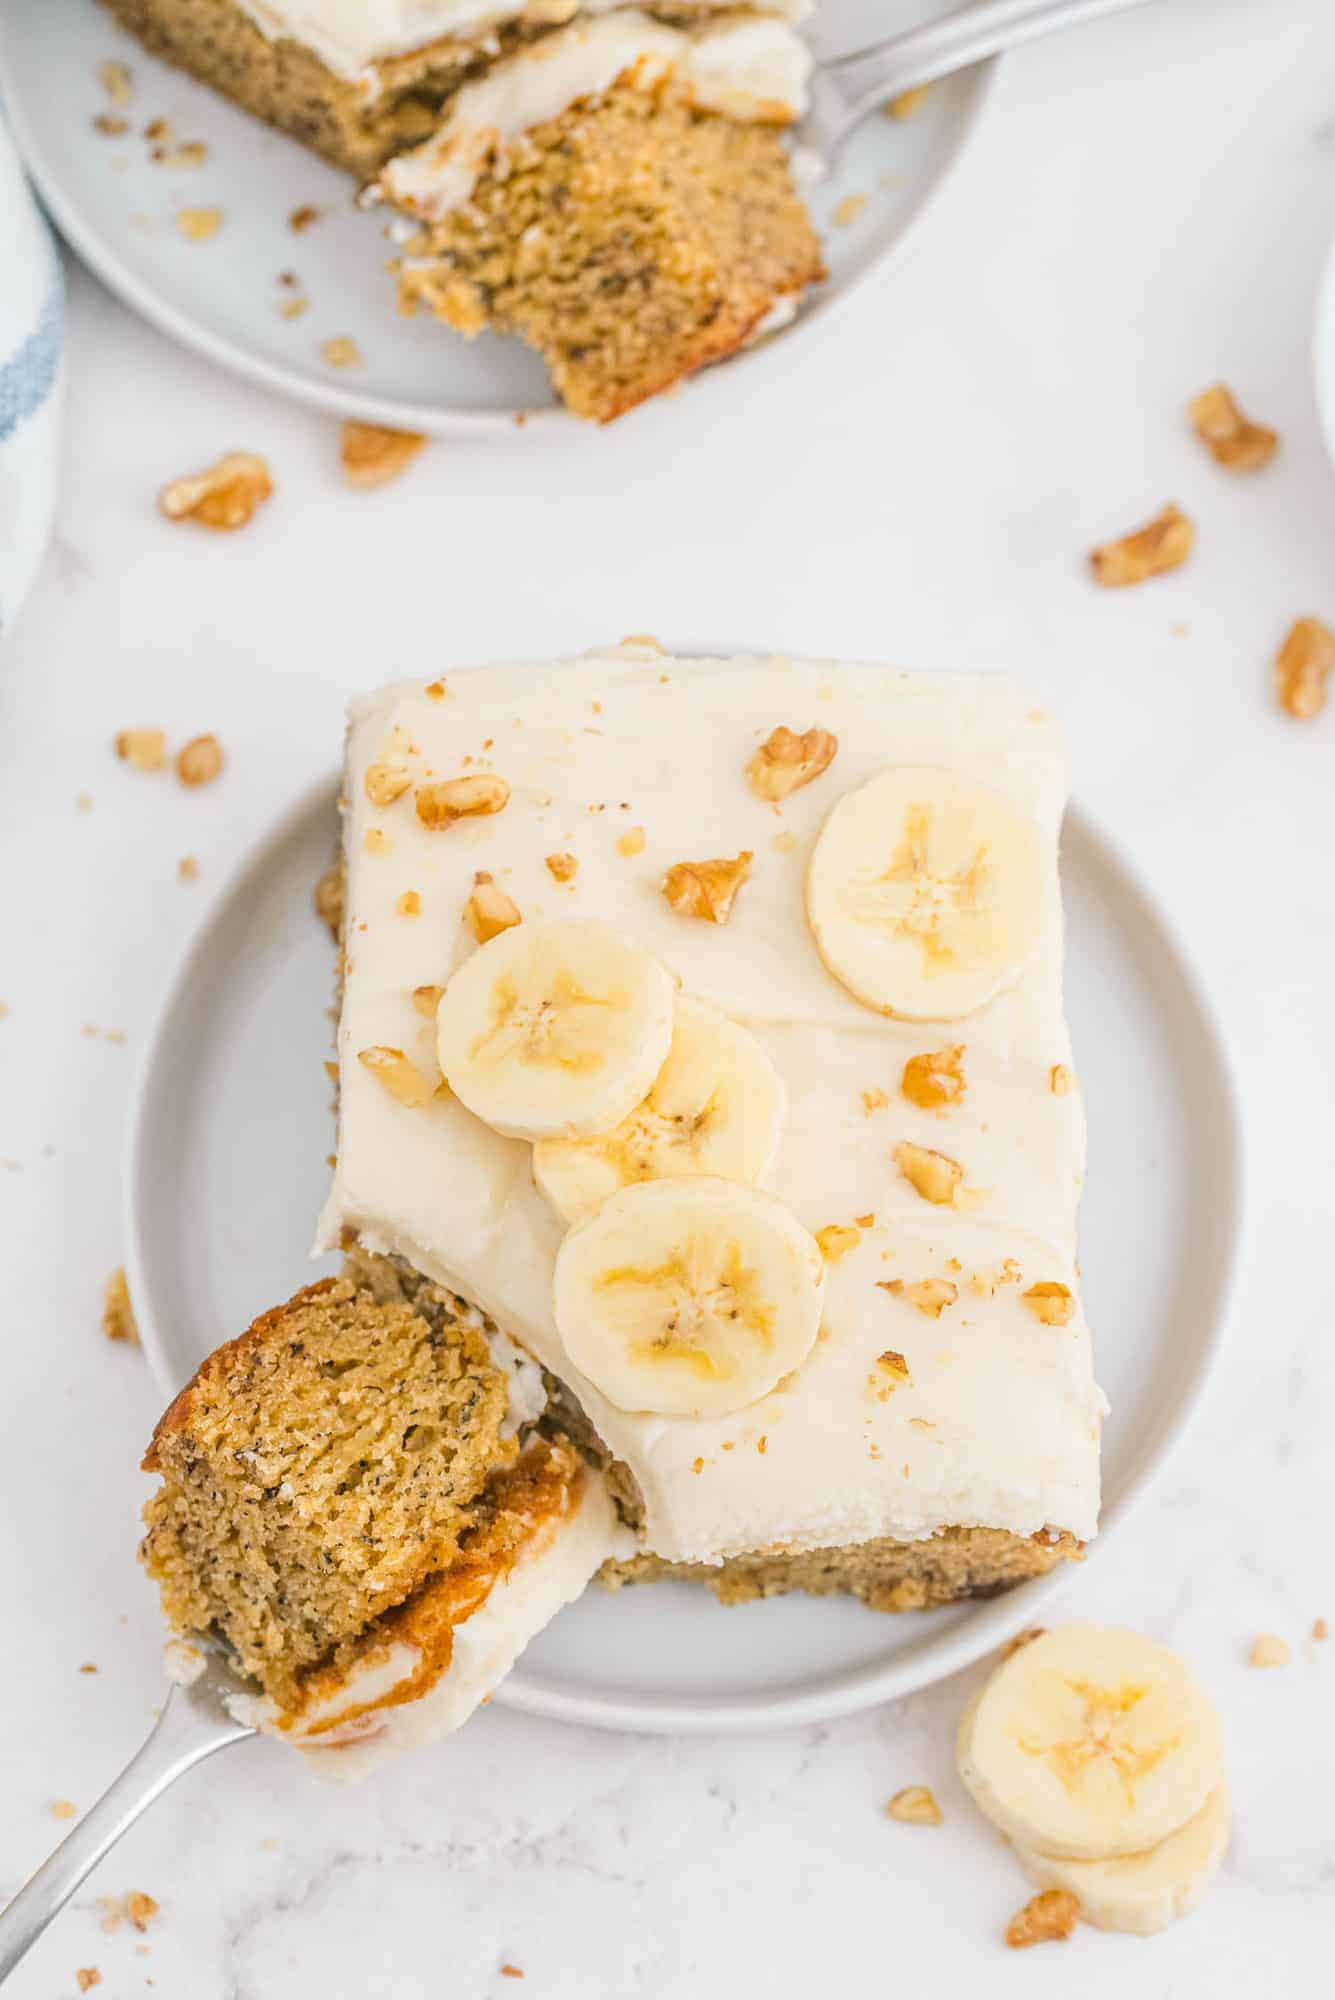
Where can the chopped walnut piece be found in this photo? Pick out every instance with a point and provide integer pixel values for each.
(1050, 1302)
(64, 1809)
(139, 1908)
(302, 218)
(706, 889)
(1162, 544)
(631, 842)
(376, 841)
(908, 103)
(933, 1081)
(199, 761)
(915, 1806)
(409, 904)
(342, 352)
(1025, 1638)
(934, 1176)
(874, 1100)
(293, 308)
(117, 82)
(1231, 439)
(849, 209)
(929, 1295)
(785, 761)
(511, 1972)
(426, 999)
(86, 1976)
(328, 899)
(451, 799)
(489, 911)
(1302, 668)
(399, 1075)
(142, 749)
(197, 225)
(372, 455)
(226, 496)
(562, 867)
(1060, 1080)
(118, 1321)
(384, 782)
(110, 126)
(190, 153)
(1320, 1631)
(1269, 1651)
(836, 1240)
(895, 1366)
(645, 642)
(1045, 1918)
(436, 690)
(187, 869)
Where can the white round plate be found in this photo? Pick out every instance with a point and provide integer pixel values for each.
(117, 208)
(226, 1174)
(1323, 351)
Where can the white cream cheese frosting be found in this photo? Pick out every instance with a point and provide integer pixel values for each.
(999, 1424)
(754, 70)
(350, 36)
(552, 1571)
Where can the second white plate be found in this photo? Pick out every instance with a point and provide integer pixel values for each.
(227, 1172)
(117, 208)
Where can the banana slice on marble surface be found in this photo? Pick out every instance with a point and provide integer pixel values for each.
(925, 893)
(555, 1029)
(716, 1107)
(1090, 1743)
(1143, 1893)
(688, 1298)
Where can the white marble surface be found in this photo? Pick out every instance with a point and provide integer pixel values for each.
(1146, 210)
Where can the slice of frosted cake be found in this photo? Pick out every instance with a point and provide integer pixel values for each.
(702, 1024)
(358, 1498)
(619, 195)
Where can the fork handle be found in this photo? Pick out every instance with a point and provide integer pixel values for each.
(180, 1737)
(846, 88)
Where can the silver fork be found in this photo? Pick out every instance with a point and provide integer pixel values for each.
(844, 89)
(194, 1722)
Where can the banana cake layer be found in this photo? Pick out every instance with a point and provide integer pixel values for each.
(936, 1160)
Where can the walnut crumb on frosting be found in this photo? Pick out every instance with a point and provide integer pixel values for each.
(1051, 1302)
(933, 1081)
(199, 761)
(928, 1295)
(785, 762)
(450, 799)
(489, 911)
(562, 867)
(1269, 1651)
(707, 889)
(142, 749)
(399, 1075)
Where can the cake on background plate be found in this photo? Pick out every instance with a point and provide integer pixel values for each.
(702, 1025)
(608, 183)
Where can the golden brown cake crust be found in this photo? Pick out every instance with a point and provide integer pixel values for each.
(886, 1575)
(631, 241)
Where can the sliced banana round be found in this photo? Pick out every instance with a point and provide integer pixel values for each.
(555, 1029)
(688, 1298)
(925, 893)
(1090, 1742)
(1143, 1893)
(716, 1107)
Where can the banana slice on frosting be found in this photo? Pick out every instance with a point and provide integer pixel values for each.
(716, 1107)
(925, 893)
(1089, 1743)
(688, 1298)
(1143, 1893)
(555, 1029)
